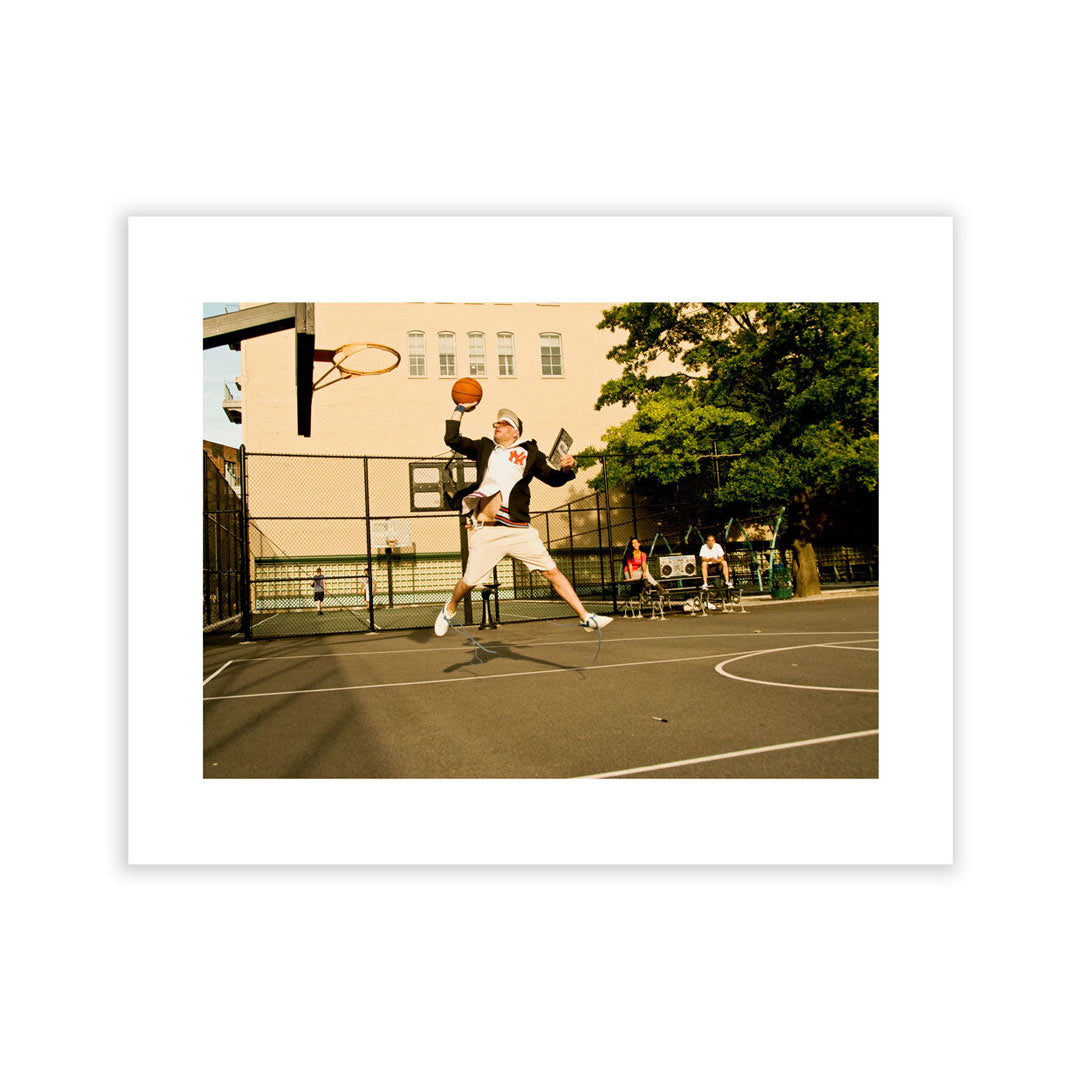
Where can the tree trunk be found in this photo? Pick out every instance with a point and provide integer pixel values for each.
(807, 581)
(804, 569)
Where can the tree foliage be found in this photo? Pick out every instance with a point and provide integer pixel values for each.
(791, 389)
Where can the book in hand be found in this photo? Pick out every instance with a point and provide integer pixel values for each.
(560, 449)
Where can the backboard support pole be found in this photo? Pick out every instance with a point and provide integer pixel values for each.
(237, 326)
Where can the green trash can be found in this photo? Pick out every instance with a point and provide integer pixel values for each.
(780, 583)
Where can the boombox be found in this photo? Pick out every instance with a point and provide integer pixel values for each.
(674, 566)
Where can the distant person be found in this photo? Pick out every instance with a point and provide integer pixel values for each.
(319, 588)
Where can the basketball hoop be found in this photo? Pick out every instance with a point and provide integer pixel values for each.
(337, 363)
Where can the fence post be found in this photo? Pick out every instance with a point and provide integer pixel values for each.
(611, 543)
(245, 571)
(573, 559)
(389, 577)
(207, 589)
(463, 537)
(547, 530)
(367, 543)
(600, 548)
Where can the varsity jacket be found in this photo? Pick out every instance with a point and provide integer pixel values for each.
(479, 450)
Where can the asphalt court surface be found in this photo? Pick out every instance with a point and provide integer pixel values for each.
(785, 690)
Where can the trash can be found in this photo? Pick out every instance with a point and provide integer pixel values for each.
(780, 583)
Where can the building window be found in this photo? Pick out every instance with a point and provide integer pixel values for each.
(447, 355)
(551, 354)
(505, 345)
(477, 360)
(417, 357)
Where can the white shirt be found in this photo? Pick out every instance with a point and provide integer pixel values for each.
(714, 552)
(505, 468)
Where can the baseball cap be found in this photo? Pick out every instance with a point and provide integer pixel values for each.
(509, 417)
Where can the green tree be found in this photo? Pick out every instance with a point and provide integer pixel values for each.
(791, 389)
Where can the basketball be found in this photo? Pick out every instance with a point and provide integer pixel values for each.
(466, 392)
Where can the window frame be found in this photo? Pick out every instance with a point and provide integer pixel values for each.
(512, 373)
(452, 336)
(469, 337)
(561, 373)
(423, 354)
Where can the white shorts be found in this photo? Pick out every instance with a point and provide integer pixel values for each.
(489, 545)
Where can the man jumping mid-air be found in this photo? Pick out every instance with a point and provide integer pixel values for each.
(498, 509)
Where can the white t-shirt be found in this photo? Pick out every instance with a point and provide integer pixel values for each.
(714, 552)
(505, 467)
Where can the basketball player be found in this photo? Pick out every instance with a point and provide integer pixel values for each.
(498, 509)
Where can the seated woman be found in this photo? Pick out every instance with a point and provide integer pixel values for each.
(636, 570)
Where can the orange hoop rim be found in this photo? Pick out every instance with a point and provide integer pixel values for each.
(346, 351)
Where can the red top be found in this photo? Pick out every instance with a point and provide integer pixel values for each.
(635, 562)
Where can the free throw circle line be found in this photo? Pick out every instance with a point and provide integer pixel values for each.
(720, 668)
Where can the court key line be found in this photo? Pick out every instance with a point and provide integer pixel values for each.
(793, 686)
(466, 678)
(561, 641)
(730, 754)
(218, 672)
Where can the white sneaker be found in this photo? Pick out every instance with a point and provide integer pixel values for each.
(443, 621)
(592, 622)
(711, 606)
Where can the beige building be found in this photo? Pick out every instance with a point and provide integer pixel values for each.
(547, 362)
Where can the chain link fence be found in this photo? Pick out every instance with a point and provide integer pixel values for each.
(223, 550)
(375, 535)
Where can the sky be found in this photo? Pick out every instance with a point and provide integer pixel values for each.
(220, 365)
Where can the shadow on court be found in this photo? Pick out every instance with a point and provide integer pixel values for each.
(785, 690)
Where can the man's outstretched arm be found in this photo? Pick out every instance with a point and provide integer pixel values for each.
(555, 477)
(453, 437)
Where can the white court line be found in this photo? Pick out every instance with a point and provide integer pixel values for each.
(731, 754)
(563, 641)
(218, 672)
(466, 678)
(793, 686)
(857, 648)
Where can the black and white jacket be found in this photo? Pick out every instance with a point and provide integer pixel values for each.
(479, 450)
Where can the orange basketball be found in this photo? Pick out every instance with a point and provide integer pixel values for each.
(466, 392)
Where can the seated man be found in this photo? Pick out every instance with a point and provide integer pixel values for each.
(712, 554)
